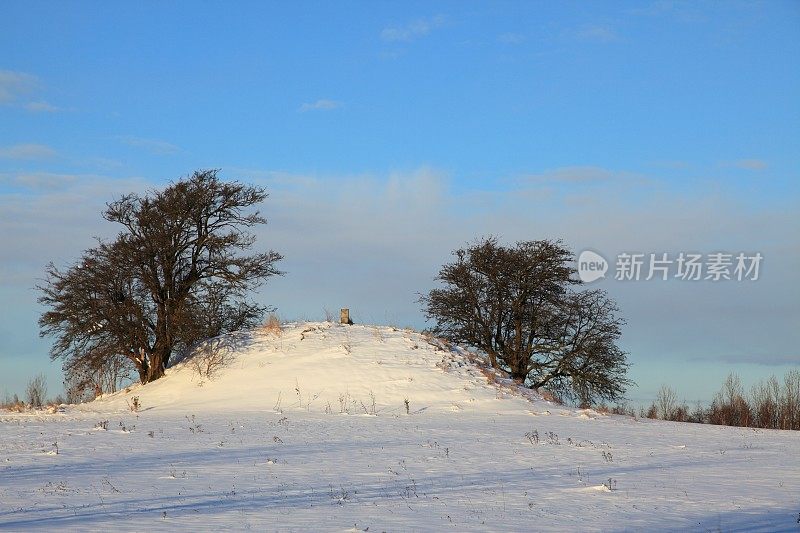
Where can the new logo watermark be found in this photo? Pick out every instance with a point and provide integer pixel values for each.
(591, 266)
(685, 266)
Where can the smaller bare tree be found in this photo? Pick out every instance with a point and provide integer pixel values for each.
(209, 357)
(666, 402)
(36, 392)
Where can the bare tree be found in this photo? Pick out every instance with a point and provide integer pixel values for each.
(86, 378)
(36, 391)
(176, 273)
(729, 407)
(517, 305)
(666, 402)
(766, 401)
(790, 402)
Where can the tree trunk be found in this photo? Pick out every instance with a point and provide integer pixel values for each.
(158, 363)
(492, 358)
(162, 348)
(519, 374)
(142, 374)
(141, 365)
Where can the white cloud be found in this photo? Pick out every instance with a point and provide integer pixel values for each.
(681, 11)
(14, 84)
(596, 33)
(17, 88)
(154, 146)
(671, 163)
(26, 151)
(415, 30)
(756, 359)
(372, 242)
(577, 174)
(751, 164)
(43, 181)
(321, 105)
(41, 106)
(511, 38)
(57, 217)
(101, 164)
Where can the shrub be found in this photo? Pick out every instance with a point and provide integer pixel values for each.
(729, 407)
(699, 415)
(272, 326)
(36, 391)
(12, 404)
(134, 405)
(622, 409)
(208, 359)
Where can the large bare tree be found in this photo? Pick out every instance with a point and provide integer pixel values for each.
(519, 305)
(176, 273)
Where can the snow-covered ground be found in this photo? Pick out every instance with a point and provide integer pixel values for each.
(309, 430)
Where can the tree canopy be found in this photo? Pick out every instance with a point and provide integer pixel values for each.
(176, 273)
(520, 306)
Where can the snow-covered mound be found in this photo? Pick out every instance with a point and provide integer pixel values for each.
(284, 436)
(332, 368)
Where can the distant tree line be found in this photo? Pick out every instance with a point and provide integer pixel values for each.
(771, 404)
(35, 396)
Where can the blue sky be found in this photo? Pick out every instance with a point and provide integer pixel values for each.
(389, 134)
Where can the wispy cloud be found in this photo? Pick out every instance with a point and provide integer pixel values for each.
(576, 174)
(14, 84)
(387, 219)
(511, 38)
(154, 146)
(598, 33)
(41, 181)
(321, 105)
(17, 89)
(102, 164)
(41, 107)
(26, 151)
(671, 163)
(681, 11)
(415, 30)
(659, 7)
(751, 164)
(756, 359)
(72, 203)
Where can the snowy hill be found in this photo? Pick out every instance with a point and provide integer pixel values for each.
(325, 367)
(307, 429)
